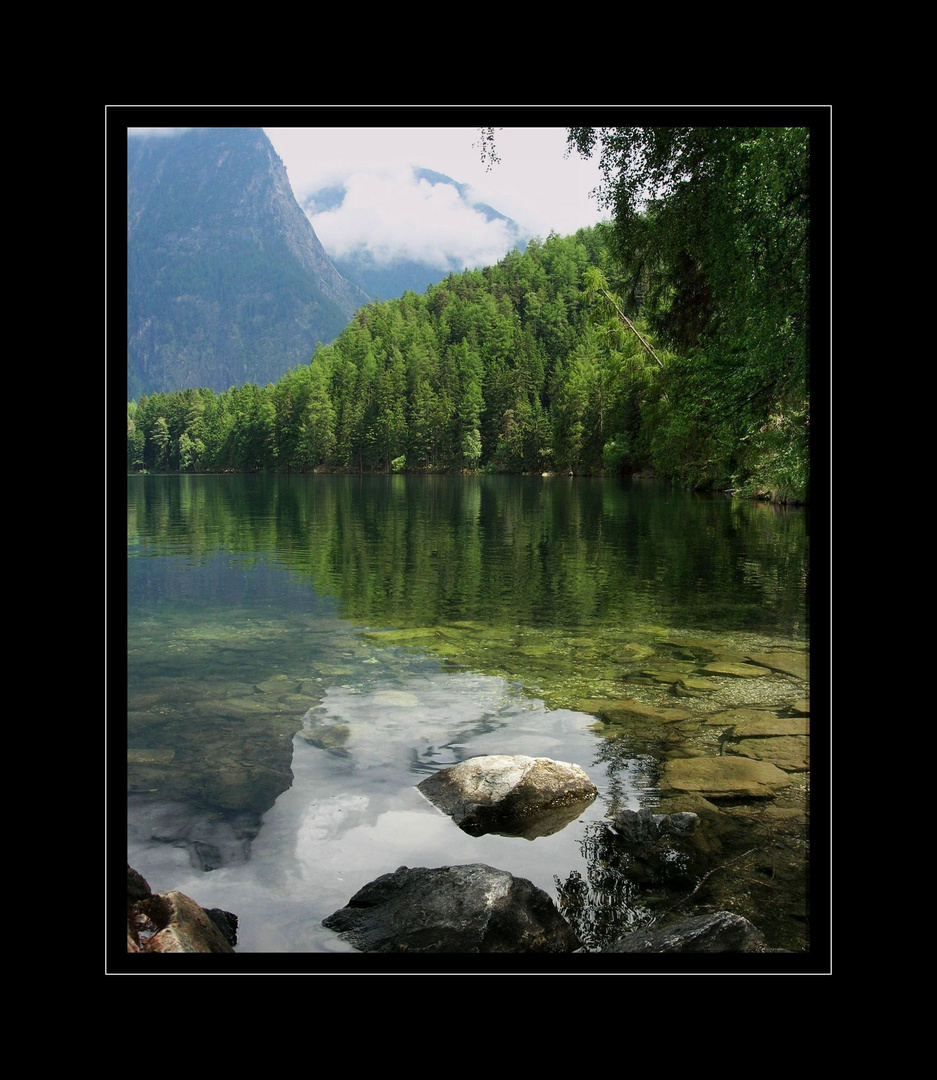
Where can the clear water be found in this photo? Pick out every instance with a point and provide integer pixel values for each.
(303, 651)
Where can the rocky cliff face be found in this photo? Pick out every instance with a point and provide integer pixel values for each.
(227, 281)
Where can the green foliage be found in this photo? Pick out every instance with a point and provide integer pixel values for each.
(544, 361)
(616, 454)
(711, 227)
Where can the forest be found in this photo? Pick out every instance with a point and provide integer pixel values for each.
(672, 341)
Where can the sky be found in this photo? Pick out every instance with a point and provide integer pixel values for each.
(391, 214)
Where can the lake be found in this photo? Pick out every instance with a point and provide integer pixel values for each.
(303, 650)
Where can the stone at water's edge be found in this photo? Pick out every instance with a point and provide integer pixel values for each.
(511, 795)
(724, 777)
(722, 931)
(452, 909)
(173, 922)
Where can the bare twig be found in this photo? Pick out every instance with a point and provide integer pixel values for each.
(708, 874)
(624, 318)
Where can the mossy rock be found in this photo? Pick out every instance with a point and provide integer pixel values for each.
(770, 724)
(335, 671)
(539, 652)
(736, 671)
(624, 710)
(726, 777)
(787, 661)
(788, 752)
(279, 684)
(732, 717)
(693, 684)
(326, 736)
(631, 652)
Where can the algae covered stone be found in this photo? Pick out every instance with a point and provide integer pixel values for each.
(736, 671)
(724, 777)
(788, 661)
(622, 710)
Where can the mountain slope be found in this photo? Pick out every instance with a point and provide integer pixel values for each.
(227, 281)
(387, 280)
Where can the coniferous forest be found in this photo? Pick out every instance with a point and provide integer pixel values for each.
(672, 341)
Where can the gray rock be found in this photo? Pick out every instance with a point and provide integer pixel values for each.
(646, 827)
(452, 909)
(510, 795)
(720, 932)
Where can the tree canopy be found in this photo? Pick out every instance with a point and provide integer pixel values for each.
(711, 235)
(673, 342)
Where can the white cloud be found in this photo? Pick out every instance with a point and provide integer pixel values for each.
(392, 215)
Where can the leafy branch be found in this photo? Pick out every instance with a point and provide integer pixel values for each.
(595, 283)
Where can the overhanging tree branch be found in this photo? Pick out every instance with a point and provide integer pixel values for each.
(624, 318)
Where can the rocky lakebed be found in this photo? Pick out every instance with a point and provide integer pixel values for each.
(716, 858)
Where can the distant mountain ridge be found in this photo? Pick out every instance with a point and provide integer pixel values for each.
(391, 280)
(227, 280)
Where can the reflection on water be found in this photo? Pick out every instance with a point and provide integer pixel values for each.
(353, 810)
(301, 653)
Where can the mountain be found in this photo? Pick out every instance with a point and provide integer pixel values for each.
(389, 280)
(227, 282)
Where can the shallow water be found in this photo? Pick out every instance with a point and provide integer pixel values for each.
(352, 815)
(301, 655)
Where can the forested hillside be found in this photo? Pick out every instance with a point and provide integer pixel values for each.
(672, 342)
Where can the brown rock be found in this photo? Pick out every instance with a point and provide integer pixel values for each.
(785, 661)
(187, 928)
(724, 777)
(789, 752)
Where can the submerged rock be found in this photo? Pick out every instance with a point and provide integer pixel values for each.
(657, 850)
(625, 710)
(452, 909)
(752, 723)
(646, 827)
(736, 671)
(788, 752)
(720, 932)
(724, 777)
(784, 660)
(510, 795)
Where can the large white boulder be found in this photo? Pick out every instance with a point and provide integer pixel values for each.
(512, 795)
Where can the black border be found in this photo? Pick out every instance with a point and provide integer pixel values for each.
(819, 118)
